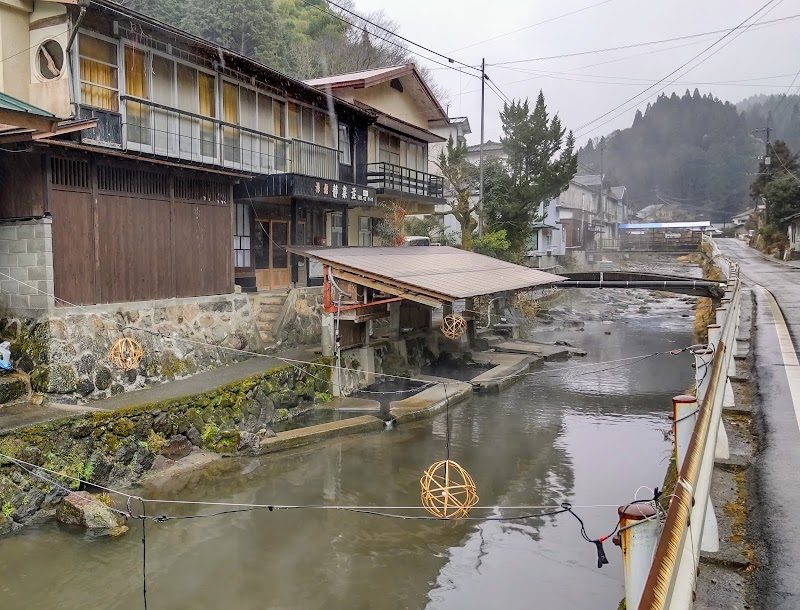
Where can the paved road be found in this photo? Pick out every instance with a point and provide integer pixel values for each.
(776, 374)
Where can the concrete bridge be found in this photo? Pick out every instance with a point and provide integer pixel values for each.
(652, 281)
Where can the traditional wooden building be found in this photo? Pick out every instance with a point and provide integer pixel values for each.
(168, 166)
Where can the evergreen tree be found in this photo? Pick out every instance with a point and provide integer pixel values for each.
(539, 166)
(462, 178)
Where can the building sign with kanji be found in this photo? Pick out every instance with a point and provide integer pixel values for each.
(333, 190)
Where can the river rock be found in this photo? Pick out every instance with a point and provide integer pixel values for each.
(248, 441)
(79, 508)
(176, 447)
(194, 436)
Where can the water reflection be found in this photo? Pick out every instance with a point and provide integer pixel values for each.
(591, 439)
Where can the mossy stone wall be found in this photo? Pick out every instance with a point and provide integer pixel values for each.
(116, 448)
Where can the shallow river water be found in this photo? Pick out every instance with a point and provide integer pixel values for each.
(587, 437)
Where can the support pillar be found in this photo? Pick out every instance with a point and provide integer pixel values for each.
(394, 321)
(702, 372)
(639, 531)
(721, 449)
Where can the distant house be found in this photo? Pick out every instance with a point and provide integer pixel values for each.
(793, 229)
(458, 128)
(491, 150)
(408, 119)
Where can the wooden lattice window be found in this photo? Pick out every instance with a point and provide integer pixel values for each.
(72, 173)
(132, 181)
(202, 190)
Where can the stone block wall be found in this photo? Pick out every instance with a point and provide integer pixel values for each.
(116, 448)
(67, 354)
(300, 321)
(26, 266)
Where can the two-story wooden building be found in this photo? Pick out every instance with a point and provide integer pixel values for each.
(396, 154)
(174, 167)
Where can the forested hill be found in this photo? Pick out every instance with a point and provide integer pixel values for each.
(299, 38)
(695, 150)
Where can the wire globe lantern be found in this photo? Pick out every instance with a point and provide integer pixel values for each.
(448, 492)
(126, 353)
(453, 326)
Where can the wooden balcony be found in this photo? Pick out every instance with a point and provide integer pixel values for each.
(397, 180)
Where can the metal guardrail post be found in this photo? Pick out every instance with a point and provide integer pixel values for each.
(721, 451)
(639, 528)
(702, 371)
(684, 416)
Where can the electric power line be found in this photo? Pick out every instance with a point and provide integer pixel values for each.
(581, 129)
(398, 45)
(533, 25)
(640, 44)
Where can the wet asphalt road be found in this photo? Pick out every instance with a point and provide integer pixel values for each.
(776, 377)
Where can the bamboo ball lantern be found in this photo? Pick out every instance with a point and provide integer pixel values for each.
(453, 326)
(126, 353)
(448, 491)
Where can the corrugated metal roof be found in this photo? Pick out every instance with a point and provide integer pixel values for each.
(11, 103)
(449, 273)
(666, 225)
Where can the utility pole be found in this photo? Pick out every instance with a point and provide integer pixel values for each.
(600, 204)
(767, 161)
(480, 162)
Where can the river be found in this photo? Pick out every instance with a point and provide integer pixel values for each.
(565, 433)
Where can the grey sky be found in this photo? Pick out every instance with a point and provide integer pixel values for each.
(448, 25)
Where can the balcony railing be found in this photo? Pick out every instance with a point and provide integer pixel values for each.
(316, 160)
(166, 131)
(405, 180)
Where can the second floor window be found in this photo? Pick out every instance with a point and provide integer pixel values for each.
(311, 125)
(98, 73)
(344, 145)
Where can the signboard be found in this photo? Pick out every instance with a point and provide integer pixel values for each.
(333, 190)
(314, 268)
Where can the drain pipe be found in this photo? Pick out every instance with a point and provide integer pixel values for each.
(337, 340)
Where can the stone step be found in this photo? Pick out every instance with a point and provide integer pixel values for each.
(266, 317)
(278, 300)
(274, 309)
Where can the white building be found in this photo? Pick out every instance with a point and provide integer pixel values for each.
(457, 128)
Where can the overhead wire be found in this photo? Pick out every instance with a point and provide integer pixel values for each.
(396, 44)
(582, 129)
(533, 25)
(641, 44)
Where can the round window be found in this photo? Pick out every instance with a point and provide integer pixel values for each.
(50, 60)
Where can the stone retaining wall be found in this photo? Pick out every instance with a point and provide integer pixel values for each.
(116, 448)
(26, 265)
(67, 354)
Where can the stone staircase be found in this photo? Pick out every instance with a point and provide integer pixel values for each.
(267, 307)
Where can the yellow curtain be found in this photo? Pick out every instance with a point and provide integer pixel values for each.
(98, 60)
(135, 73)
(230, 103)
(205, 84)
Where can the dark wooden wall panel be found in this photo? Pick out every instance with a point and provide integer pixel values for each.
(22, 185)
(203, 249)
(134, 249)
(73, 247)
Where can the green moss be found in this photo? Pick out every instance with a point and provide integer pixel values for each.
(227, 442)
(208, 434)
(283, 413)
(123, 427)
(322, 397)
(40, 378)
(155, 442)
(7, 509)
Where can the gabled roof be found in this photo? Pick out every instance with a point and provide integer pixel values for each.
(618, 191)
(17, 113)
(587, 179)
(370, 78)
(387, 120)
(487, 145)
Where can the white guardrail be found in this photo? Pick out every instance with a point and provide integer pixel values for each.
(661, 563)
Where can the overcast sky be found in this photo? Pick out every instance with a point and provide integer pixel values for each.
(447, 26)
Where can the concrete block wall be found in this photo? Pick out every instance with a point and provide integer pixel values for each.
(26, 266)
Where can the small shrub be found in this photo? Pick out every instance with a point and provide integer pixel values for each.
(322, 397)
(154, 441)
(7, 509)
